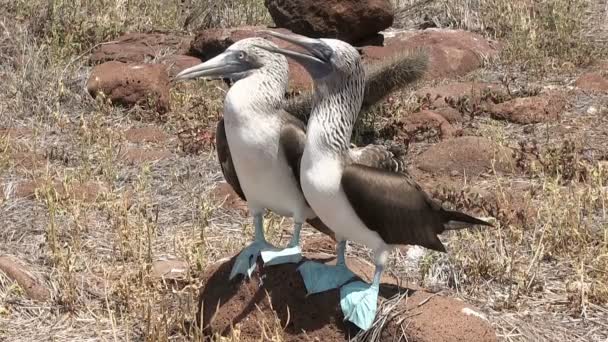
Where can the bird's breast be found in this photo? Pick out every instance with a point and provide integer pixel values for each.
(320, 176)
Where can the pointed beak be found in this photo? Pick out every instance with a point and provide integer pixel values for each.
(222, 65)
(317, 60)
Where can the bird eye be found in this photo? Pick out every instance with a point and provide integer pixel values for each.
(241, 55)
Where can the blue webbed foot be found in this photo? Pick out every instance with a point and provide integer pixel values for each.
(274, 256)
(246, 262)
(291, 254)
(320, 277)
(359, 301)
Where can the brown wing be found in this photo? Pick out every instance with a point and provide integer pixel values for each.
(292, 140)
(225, 158)
(394, 206)
(378, 156)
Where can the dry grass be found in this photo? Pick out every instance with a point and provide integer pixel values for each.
(542, 279)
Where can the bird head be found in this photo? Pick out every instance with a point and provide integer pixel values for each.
(240, 60)
(323, 58)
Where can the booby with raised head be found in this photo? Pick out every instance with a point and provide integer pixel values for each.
(362, 203)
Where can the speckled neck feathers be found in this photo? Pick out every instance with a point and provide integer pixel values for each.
(337, 103)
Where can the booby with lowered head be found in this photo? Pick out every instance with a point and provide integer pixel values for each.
(362, 203)
(259, 145)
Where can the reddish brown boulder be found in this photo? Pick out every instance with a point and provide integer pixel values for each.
(349, 20)
(529, 110)
(592, 81)
(81, 191)
(131, 84)
(450, 114)
(224, 194)
(423, 123)
(177, 63)
(27, 160)
(142, 155)
(451, 52)
(19, 273)
(140, 47)
(275, 301)
(470, 156)
(440, 95)
(146, 134)
(211, 42)
(169, 269)
(16, 132)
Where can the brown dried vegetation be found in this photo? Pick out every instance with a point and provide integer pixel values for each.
(541, 274)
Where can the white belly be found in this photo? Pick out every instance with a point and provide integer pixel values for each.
(265, 177)
(320, 178)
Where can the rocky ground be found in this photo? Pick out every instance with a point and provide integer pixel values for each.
(116, 222)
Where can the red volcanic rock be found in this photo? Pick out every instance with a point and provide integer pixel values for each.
(474, 90)
(470, 156)
(276, 297)
(451, 52)
(140, 47)
(176, 63)
(131, 84)
(421, 123)
(146, 134)
(349, 20)
(592, 81)
(529, 110)
(18, 272)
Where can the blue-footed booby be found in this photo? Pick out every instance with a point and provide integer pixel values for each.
(259, 145)
(274, 135)
(361, 202)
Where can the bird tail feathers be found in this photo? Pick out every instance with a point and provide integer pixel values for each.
(458, 220)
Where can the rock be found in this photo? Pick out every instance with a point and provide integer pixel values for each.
(419, 126)
(16, 132)
(141, 155)
(224, 194)
(530, 110)
(146, 134)
(140, 47)
(27, 160)
(592, 81)
(87, 192)
(350, 20)
(466, 156)
(131, 84)
(452, 115)
(451, 52)
(211, 42)
(169, 269)
(276, 297)
(439, 95)
(15, 270)
(176, 63)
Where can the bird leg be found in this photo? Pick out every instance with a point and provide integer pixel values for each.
(246, 262)
(319, 277)
(291, 254)
(359, 300)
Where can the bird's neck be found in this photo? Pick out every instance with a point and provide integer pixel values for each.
(334, 114)
(261, 92)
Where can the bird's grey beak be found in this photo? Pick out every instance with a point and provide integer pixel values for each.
(222, 65)
(317, 61)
